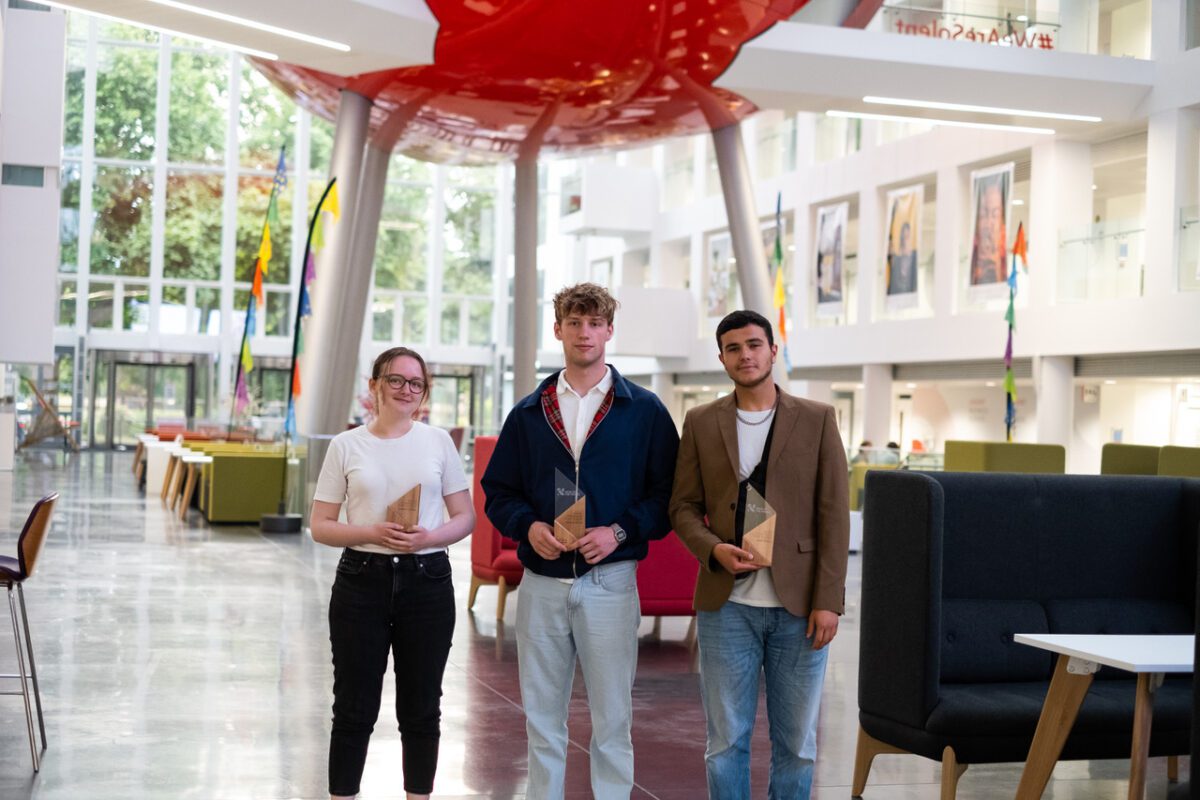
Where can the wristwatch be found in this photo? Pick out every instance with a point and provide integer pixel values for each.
(619, 532)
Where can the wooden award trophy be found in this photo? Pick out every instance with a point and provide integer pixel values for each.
(570, 510)
(759, 525)
(407, 510)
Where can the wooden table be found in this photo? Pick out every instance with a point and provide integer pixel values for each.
(1079, 658)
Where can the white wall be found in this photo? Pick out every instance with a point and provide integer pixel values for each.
(967, 412)
(31, 130)
(1083, 456)
(1136, 413)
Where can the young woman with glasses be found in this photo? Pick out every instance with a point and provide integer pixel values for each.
(392, 590)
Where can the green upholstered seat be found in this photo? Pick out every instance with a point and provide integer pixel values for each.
(241, 487)
(964, 456)
(858, 482)
(1128, 459)
(1179, 462)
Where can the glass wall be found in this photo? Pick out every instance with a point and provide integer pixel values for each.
(169, 154)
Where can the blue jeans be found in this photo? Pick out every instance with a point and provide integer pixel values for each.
(737, 643)
(595, 618)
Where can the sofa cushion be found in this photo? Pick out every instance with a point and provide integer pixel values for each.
(1118, 617)
(1115, 617)
(977, 641)
(1014, 708)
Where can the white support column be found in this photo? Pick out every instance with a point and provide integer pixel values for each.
(1054, 378)
(819, 391)
(1077, 19)
(662, 383)
(228, 338)
(754, 275)
(339, 291)
(371, 193)
(525, 306)
(870, 253)
(1167, 28)
(806, 140)
(946, 239)
(158, 202)
(437, 259)
(1060, 199)
(1172, 173)
(501, 352)
(877, 403)
(87, 175)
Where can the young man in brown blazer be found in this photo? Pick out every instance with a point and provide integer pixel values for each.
(753, 618)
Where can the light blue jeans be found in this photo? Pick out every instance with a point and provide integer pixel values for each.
(595, 618)
(737, 643)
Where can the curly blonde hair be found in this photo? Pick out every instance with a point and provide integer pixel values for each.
(587, 299)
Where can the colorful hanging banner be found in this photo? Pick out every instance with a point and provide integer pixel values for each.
(1019, 248)
(779, 299)
(326, 213)
(262, 263)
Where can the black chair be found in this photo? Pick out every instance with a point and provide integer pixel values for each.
(13, 573)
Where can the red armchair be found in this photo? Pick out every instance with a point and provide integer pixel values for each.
(493, 557)
(666, 580)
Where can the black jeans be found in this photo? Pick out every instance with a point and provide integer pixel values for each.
(404, 603)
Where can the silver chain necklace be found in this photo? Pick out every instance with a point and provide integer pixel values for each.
(745, 421)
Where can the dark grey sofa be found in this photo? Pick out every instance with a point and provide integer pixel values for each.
(955, 563)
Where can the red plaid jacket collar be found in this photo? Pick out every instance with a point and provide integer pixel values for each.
(554, 414)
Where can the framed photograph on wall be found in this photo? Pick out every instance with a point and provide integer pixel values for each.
(722, 292)
(902, 246)
(830, 246)
(720, 277)
(991, 194)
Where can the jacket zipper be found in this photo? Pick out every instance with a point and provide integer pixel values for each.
(576, 459)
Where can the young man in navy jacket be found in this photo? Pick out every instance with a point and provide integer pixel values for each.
(617, 442)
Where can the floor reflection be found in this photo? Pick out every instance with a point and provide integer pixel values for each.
(180, 660)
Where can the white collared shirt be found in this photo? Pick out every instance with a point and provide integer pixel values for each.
(578, 410)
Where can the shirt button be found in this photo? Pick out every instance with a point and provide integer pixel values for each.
(395, 559)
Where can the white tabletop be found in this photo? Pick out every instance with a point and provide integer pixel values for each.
(1148, 653)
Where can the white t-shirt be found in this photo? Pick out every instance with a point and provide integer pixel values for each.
(759, 588)
(368, 474)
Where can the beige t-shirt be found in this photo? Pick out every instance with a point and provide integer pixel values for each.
(368, 474)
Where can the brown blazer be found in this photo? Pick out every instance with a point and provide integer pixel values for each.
(806, 485)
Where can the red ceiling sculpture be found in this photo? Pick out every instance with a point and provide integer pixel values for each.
(513, 77)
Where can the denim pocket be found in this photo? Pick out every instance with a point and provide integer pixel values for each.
(350, 565)
(436, 568)
(618, 578)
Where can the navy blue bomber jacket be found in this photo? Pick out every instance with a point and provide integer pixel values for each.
(626, 469)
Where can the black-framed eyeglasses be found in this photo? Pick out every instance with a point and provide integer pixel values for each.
(416, 385)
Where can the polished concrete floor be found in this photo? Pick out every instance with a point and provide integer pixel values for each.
(180, 660)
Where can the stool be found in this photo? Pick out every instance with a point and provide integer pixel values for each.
(14, 572)
(173, 454)
(175, 489)
(194, 464)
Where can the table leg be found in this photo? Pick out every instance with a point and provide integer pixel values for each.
(1143, 715)
(1067, 690)
(188, 491)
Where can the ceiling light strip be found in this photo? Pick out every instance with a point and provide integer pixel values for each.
(1016, 112)
(250, 51)
(949, 123)
(258, 26)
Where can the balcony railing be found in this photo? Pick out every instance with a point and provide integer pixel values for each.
(1102, 261)
(975, 23)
